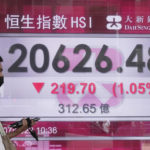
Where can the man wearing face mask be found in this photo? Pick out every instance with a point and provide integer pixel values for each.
(5, 144)
(1, 75)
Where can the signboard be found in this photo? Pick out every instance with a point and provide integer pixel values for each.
(86, 16)
(84, 61)
(75, 78)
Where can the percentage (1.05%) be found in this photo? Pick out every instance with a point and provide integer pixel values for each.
(134, 88)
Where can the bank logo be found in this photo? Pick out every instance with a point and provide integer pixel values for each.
(114, 22)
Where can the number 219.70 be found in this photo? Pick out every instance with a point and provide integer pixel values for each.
(80, 67)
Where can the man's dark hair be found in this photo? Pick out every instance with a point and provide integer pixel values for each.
(1, 59)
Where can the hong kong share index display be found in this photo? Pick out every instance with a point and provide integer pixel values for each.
(75, 78)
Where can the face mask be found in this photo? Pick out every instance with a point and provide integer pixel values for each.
(1, 81)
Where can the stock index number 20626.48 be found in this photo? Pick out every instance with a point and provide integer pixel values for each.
(81, 66)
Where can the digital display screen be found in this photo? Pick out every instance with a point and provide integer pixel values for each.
(79, 65)
(67, 77)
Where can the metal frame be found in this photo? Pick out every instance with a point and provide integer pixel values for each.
(80, 119)
(58, 35)
(84, 138)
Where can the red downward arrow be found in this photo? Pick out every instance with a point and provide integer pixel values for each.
(38, 86)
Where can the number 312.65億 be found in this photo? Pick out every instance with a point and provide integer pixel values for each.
(80, 67)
